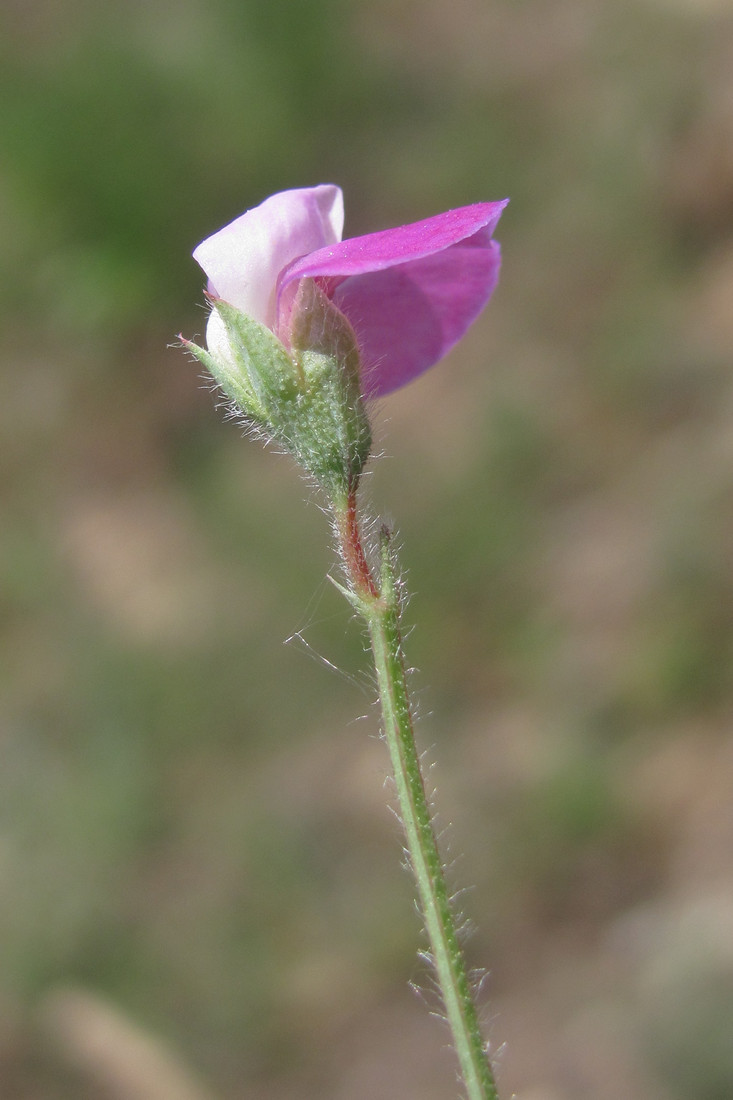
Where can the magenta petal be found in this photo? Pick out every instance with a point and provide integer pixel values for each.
(407, 317)
(409, 292)
(377, 251)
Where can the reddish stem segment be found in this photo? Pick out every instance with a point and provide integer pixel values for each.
(357, 567)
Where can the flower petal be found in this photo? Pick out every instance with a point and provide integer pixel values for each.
(411, 292)
(243, 260)
(377, 251)
(408, 317)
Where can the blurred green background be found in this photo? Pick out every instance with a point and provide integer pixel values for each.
(201, 890)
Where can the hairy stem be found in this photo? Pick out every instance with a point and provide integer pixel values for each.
(379, 605)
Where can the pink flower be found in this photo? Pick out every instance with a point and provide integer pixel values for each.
(410, 293)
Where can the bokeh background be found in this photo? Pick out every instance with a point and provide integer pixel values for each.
(201, 890)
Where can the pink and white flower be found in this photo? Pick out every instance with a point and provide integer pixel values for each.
(410, 293)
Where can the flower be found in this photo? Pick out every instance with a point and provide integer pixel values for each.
(410, 293)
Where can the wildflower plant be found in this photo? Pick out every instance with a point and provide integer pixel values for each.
(305, 331)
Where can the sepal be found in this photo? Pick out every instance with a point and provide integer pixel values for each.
(251, 351)
(335, 437)
(308, 399)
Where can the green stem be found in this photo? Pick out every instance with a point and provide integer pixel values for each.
(380, 607)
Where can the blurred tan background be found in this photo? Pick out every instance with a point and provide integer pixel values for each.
(201, 890)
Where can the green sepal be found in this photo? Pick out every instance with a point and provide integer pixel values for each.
(235, 385)
(267, 372)
(333, 438)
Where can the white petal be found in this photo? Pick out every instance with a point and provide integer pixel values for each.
(243, 260)
(217, 339)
